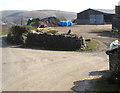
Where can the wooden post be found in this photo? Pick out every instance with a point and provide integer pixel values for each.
(21, 20)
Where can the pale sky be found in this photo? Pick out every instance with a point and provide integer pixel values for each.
(65, 5)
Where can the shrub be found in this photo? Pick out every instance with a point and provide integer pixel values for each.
(18, 34)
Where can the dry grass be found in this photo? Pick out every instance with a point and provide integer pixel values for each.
(48, 30)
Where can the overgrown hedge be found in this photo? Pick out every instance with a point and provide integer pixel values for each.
(18, 34)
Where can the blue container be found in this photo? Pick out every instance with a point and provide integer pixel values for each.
(61, 23)
(65, 23)
(69, 23)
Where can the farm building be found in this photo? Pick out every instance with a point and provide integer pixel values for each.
(116, 20)
(93, 16)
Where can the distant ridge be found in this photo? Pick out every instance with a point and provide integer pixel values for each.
(15, 16)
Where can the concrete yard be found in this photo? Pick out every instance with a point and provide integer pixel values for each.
(46, 70)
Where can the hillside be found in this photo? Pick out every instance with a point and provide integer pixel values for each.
(15, 16)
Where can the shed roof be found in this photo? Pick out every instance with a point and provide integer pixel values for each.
(107, 11)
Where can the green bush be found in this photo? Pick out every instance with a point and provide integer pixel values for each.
(18, 34)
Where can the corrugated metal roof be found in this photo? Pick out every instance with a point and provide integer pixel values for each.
(108, 11)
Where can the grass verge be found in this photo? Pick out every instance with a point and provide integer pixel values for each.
(91, 45)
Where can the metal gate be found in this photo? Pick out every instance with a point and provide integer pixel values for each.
(96, 19)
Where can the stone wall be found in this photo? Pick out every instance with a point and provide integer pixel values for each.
(114, 61)
(54, 41)
(25, 35)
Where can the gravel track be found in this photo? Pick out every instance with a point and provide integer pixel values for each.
(45, 70)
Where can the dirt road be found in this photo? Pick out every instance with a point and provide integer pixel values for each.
(44, 70)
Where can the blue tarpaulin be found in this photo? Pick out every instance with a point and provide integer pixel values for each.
(65, 23)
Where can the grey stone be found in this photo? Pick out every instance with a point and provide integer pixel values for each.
(114, 61)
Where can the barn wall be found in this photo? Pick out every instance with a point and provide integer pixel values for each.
(84, 17)
(108, 18)
(83, 21)
(85, 14)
